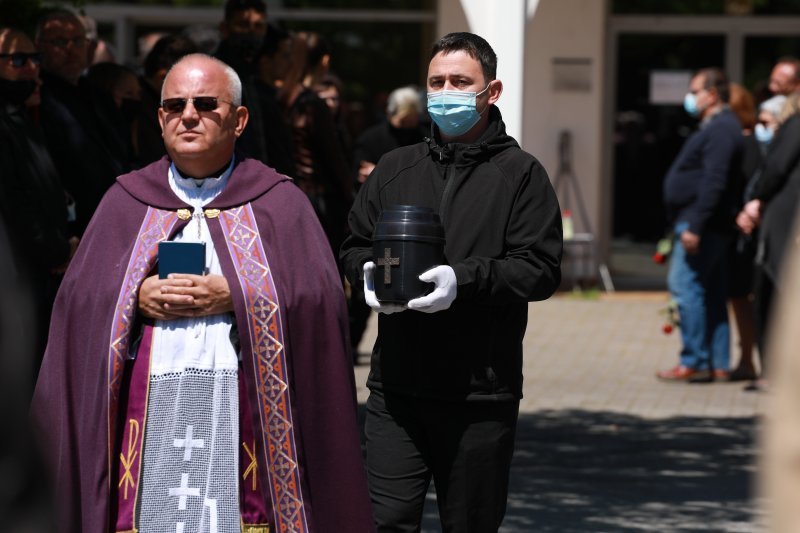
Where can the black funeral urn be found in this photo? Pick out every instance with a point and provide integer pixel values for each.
(408, 240)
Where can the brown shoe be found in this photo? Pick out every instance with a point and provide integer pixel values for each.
(677, 373)
(702, 376)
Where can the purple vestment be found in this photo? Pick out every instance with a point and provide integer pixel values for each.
(291, 318)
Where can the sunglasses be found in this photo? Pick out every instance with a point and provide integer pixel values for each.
(201, 103)
(20, 59)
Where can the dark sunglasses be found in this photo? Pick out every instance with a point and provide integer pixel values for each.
(201, 103)
(20, 59)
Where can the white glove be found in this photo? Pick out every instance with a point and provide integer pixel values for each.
(369, 293)
(444, 279)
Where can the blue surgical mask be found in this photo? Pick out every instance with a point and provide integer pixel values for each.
(454, 112)
(763, 133)
(690, 105)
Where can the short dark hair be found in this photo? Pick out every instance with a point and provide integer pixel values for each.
(474, 45)
(166, 52)
(234, 6)
(714, 78)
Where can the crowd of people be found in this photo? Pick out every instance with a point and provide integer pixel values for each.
(224, 399)
(732, 194)
(74, 119)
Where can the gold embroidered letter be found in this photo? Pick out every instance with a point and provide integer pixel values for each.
(127, 462)
(253, 463)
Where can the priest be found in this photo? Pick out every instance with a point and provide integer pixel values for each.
(214, 402)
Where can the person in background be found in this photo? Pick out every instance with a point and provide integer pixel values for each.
(321, 169)
(32, 201)
(772, 210)
(272, 65)
(148, 145)
(241, 375)
(742, 260)
(100, 50)
(117, 98)
(699, 193)
(785, 77)
(400, 128)
(446, 371)
(81, 145)
(242, 33)
(742, 250)
(330, 90)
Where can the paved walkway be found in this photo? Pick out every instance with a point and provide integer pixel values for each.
(603, 446)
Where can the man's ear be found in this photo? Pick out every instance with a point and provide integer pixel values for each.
(495, 90)
(242, 116)
(162, 120)
(713, 91)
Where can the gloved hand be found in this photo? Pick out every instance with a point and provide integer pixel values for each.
(369, 293)
(443, 294)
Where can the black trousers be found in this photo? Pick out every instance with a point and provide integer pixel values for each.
(763, 296)
(465, 447)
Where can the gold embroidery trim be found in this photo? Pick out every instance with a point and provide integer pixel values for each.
(184, 214)
(255, 528)
(252, 467)
(127, 462)
(211, 213)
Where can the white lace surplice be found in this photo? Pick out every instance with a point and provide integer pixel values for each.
(190, 458)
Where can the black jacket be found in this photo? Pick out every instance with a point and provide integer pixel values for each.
(381, 139)
(82, 148)
(779, 190)
(32, 201)
(700, 186)
(503, 239)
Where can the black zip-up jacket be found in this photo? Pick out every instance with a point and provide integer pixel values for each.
(503, 239)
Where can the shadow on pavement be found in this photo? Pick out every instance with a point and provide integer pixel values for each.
(599, 471)
(578, 471)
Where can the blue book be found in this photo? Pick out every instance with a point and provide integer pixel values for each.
(181, 258)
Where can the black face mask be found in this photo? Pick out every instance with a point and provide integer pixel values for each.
(129, 108)
(246, 45)
(17, 91)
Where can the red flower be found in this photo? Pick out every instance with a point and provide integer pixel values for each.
(659, 258)
(667, 329)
